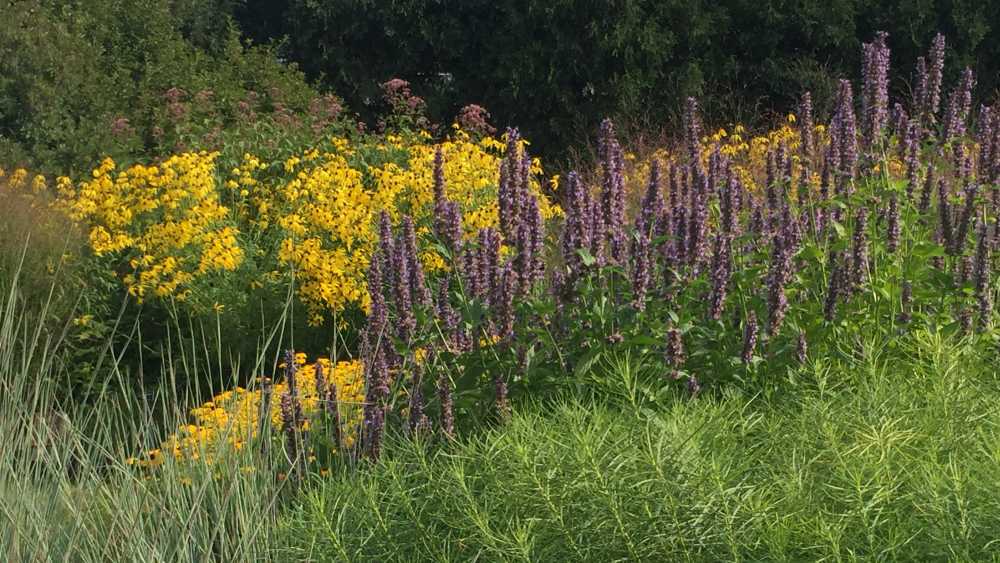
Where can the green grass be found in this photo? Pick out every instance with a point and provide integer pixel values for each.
(67, 492)
(882, 458)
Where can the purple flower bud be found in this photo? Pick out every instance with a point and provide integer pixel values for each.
(613, 191)
(652, 202)
(806, 127)
(965, 319)
(875, 90)
(911, 156)
(920, 88)
(935, 74)
(694, 388)
(402, 291)
(444, 390)
(290, 371)
(802, 348)
(503, 302)
(320, 380)
(641, 269)
(900, 120)
(894, 228)
(721, 271)
(577, 228)
(844, 132)
(692, 130)
(982, 275)
(750, 334)
(439, 197)
(965, 219)
(290, 416)
(500, 397)
(906, 299)
(674, 355)
(925, 195)
(419, 291)
(373, 429)
(418, 421)
(507, 192)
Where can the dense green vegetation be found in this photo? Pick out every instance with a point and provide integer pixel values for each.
(131, 78)
(554, 68)
(240, 322)
(887, 456)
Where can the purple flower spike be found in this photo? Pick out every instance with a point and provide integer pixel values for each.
(444, 389)
(802, 348)
(844, 131)
(502, 302)
(750, 333)
(577, 228)
(674, 355)
(407, 242)
(612, 192)
(641, 269)
(982, 275)
(721, 271)
(806, 120)
(875, 89)
(934, 78)
(894, 228)
(693, 386)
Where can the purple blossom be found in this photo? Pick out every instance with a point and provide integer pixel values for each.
(418, 421)
(721, 272)
(507, 192)
(577, 227)
(402, 291)
(982, 274)
(692, 130)
(932, 100)
(652, 202)
(875, 89)
(488, 262)
(925, 195)
(693, 386)
(502, 302)
(751, 330)
(444, 389)
(893, 227)
(806, 127)
(612, 192)
(920, 87)
(641, 269)
(906, 299)
(843, 132)
(500, 397)
(407, 244)
(674, 355)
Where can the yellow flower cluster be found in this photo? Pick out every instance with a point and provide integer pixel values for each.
(327, 212)
(167, 218)
(312, 216)
(231, 420)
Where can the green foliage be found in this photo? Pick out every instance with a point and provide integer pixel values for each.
(888, 456)
(555, 68)
(82, 79)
